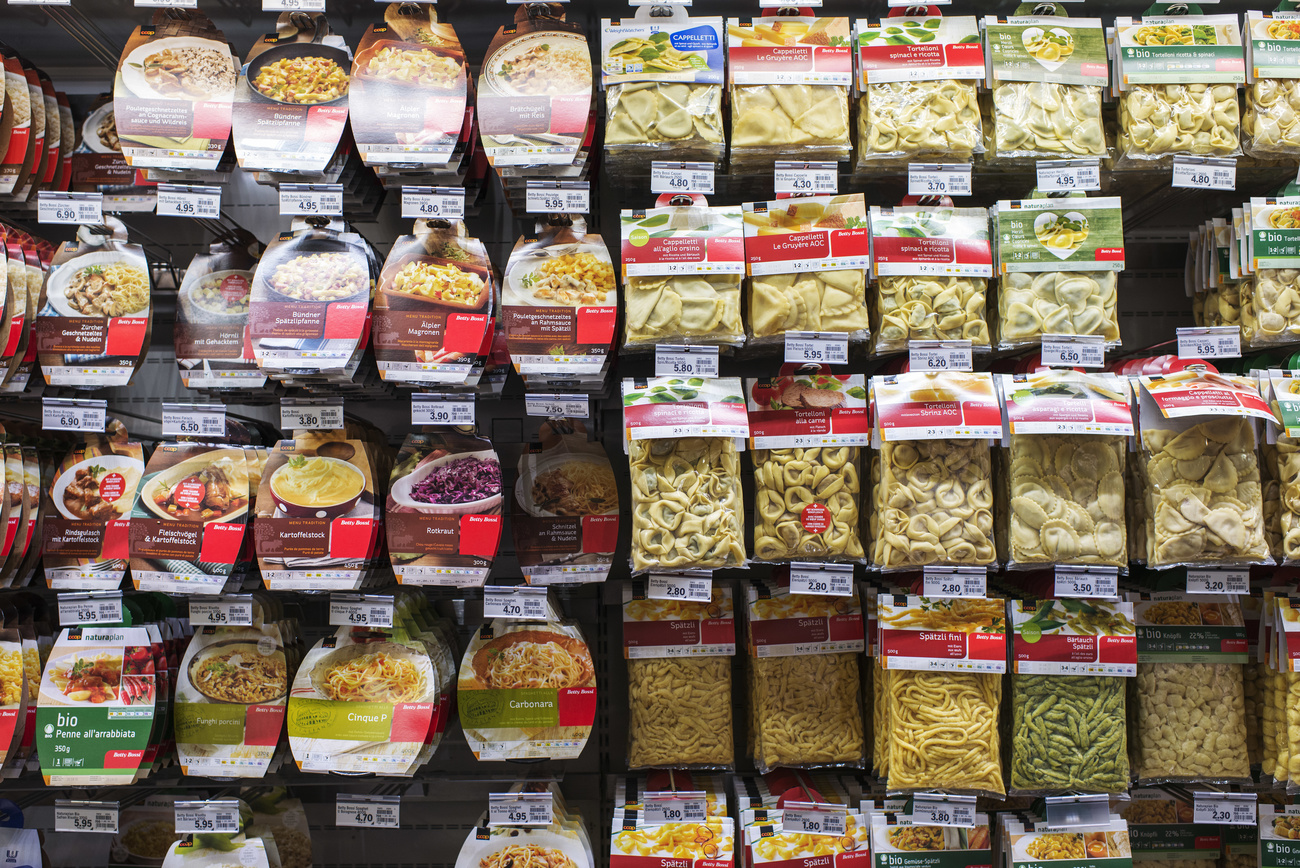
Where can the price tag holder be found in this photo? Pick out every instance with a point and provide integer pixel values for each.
(681, 177)
(181, 200)
(1092, 809)
(1074, 351)
(78, 209)
(310, 199)
(1055, 176)
(356, 610)
(519, 602)
(40, 2)
(218, 815)
(808, 818)
(1087, 581)
(73, 414)
(368, 812)
(176, 4)
(934, 810)
(317, 416)
(674, 807)
(193, 420)
(955, 582)
(446, 203)
(1218, 580)
(940, 356)
(806, 179)
(72, 815)
(520, 809)
(442, 409)
(558, 406)
(826, 580)
(1225, 809)
(557, 197)
(90, 609)
(229, 612)
(293, 5)
(938, 179)
(694, 585)
(675, 360)
(1209, 342)
(830, 348)
(1205, 173)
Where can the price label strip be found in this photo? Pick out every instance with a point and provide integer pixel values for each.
(446, 203)
(955, 582)
(1074, 351)
(827, 580)
(831, 348)
(1205, 173)
(78, 209)
(938, 179)
(356, 610)
(177, 4)
(518, 602)
(806, 818)
(193, 420)
(1055, 176)
(806, 179)
(694, 585)
(1225, 809)
(221, 816)
(674, 807)
(90, 608)
(944, 810)
(940, 356)
(1074, 581)
(442, 409)
(71, 815)
(1218, 581)
(681, 177)
(322, 416)
(231, 612)
(324, 200)
(520, 809)
(293, 5)
(1209, 342)
(179, 200)
(558, 406)
(73, 414)
(675, 360)
(557, 197)
(368, 812)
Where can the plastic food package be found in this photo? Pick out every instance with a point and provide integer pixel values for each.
(1253, 681)
(943, 731)
(692, 307)
(1135, 512)
(1282, 753)
(1288, 471)
(1272, 495)
(1068, 733)
(930, 308)
(1045, 119)
(834, 301)
(680, 712)
(1157, 120)
(908, 120)
(780, 119)
(790, 481)
(668, 117)
(806, 710)
(1274, 298)
(1191, 722)
(1031, 305)
(879, 720)
(1272, 122)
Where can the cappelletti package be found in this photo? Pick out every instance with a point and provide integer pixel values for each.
(212, 321)
(1271, 125)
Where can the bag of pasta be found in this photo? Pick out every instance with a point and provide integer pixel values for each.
(933, 288)
(1285, 393)
(1272, 124)
(788, 104)
(1274, 297)
(803, 678)
(1171, 100)
(771, 842)
(917, 78)
(1048, 72)
(687, 512)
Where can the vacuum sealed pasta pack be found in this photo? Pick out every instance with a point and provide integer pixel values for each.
(1271, 124)
(917, 78)
(805, 707)
(1274, 296)
(1171, 101)
(1048, 72)
(1286, 395)
(788, 104)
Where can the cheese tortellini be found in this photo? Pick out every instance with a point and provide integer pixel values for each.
(930, 308)
(768, 120)
(1288, 472)
(1057, 303)
(1044, 119)
(807, 504)
(692, 307)
(676, 115)
(1161, 119)
(1269, 306)
(1272, 122)
(814, 301)
(911, 119)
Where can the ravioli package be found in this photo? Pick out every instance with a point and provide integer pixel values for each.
(1059, 260)
(444, 510)
(662, 78)
(932, 265)
(789, 78)
(210, 337)
(1272, 75)
(917, 77)
(1047, 73)
(1178, 78)
(682, 270)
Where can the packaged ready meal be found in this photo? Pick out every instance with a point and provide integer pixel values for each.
(212, 350)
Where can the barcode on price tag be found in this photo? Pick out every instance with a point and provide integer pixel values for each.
(674, 807)
(442, 410)
(520, 602)
(558, 406)
(520, 809)
(675, 360)
(696, 585)
(1067, 175)
(938, 179)
(221, 816)
(940, 356)
(355, 610)
(954, 582)
(179, 200)
(310, 199)
(1218, 580)
(90, 609)
(944, 811)
(222, 613)
(830, 580)
(378, 812)
(71, 815)
(681, 177)
(1209, 342)
(1224, 809)
(447, 203)
(193, 420)
(804, 818)
(321, 417)
(807, 179)
(73, 414)
(1205, 173)
(1087, 581)
(1074, 351)
(80, 209)
(557, 197)
(831, 348)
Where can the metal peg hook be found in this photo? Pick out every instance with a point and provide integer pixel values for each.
(1045, 9)
(916, 11)
(930, 201)
(317, 222)
(661, 12)
(681, 200)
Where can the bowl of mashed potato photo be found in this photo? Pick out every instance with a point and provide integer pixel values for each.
(313, 486)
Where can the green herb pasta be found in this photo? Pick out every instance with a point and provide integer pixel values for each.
(1068, 734)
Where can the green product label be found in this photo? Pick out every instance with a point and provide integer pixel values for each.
(1047, 50)
(1162, 838)
(1275, 58)
(1279, 854)
(344, 721)
(923, 859)
(1065, 235)
(76, 740)
(525, 707)
(1204, 49)
(201, 723)
(1188, 644)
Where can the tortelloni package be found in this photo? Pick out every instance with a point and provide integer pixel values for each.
(1048, 73)
(663, 89)
(1178, 78)
(682, 270)
(1059, 262)
(1285, 399)
(1272, 120)
(1274, 293)
(935, 496)
(789, 80)
(932, 266)
(917, 78)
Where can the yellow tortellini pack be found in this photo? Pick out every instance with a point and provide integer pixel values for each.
(1031, 305)
(916, 307)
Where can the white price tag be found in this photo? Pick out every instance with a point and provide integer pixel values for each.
(520, 809)
(1067, 175)
(447, 203)
(1087, 581)
(696, 586)
(806, 179)
(660, 808)
(179, 200)
(674, 360)
(198, 420)
(1218, 581)
(442, 410)
(368, 812)
(941, 811)
(830, 580)
(323, 417)
(803, 818)
(1225, 809)
(681, 177)
(79, 209)
(221, 613)
(352, 610)
(40, 2)
(176, 4)
(73, 414)
(215, 816)
(558, 406)
(1209, 342)
(519, 602)
(77, 816)
(557, 197)
(293, 5)
(90, 609)
(830, 348)
(1205, 173)
(954, 582)
(938, 179)
(310, 199)
(940, 356)
(1074, 351)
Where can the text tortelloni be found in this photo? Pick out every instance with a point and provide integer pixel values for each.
(1036, 119)
(807, 504)
(834, 301)
(1161, 119)
(930, 308)
(909, 119)
(1031, 305)
(1272, 121)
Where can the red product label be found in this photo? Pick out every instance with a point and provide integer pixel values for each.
(679, 413)
(1059, 649)
(262, 725)
(790, 246)
(190, 493)
(1046, 408)
(410, 721)
(221, 542)
(123, 759)
(596, 325)
(599, 533)
(576, 706)
(667, 250)
(1118, 649)
(480, 535)
(111, 487)
(126, 335)
(117, 540)
(790, 58)
(465, 332)
(345, 319)
(815, 518)
(350, 537)
(661, 634)
(929, 644)
(1109, 254)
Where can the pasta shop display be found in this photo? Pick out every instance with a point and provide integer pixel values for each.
(212, 317)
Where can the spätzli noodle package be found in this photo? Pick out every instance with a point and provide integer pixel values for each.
(772, 843)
